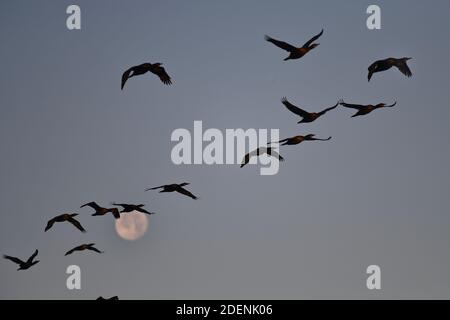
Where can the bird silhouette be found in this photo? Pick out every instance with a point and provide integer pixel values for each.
(155, 68)
(307, 116)
(260, 151)
(69, 217)
(386, 64)
(85, 246)
(175, 188)
(100, 211)
(112, 298)
(365, 109)
(24, 265)
(294, 52)
(132, 207)
(299, 139)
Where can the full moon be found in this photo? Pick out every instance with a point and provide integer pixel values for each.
(131, 226)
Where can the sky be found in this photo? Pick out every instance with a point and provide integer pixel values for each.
(375, 194)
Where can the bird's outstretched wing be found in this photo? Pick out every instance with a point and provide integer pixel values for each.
(186, 193)
(115, 212)
(72, 250)
(329, 109)
(50, 223)
(403, 67)
(245, 160)
(76, 224)
(144, 211)
(13, 259)
(247, 157)
(280, 44)
(92, 204)
(275, 154)
(162, 74)
(119, 204)
(310, 41)
(30, 259)
(353, 106)
(294, 109)
(94, 249)
(125, 77)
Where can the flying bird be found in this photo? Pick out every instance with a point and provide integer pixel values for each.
(86, 246)
(132, 207)
(112, 298)
(294, 52)
(175, 188)
(69, 217)
(299, 139)
(155, 68)
(307, 116)
(383, 65)
(100, 211)
(260, 151)
(24, 265)
(365, 109)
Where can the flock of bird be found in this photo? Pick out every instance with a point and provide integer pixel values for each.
(306, 117)
(99, 211)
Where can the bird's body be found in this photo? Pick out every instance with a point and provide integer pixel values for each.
(260, 151)
(299, 139)
(386, 64)
(306, 116)
(132, 207)
(100, 211)
(69, 217)
(365, 109)
(155, 68)
(295, 52)
(24, 265)
(175, 188)
(85, 246)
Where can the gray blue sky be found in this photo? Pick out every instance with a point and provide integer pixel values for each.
(377, 193)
